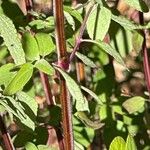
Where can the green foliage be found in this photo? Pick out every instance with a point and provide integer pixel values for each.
(11, 39)
(100, 105)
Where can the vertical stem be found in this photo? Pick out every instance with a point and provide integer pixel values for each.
(62, 56)
(146, 64)
(6, 137)
(47, 89)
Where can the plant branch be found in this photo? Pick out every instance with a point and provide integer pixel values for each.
(82, 28)
(6, 137)
(63, 59)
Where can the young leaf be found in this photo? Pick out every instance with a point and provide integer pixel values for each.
(45, 43)
(30, 146)
(30, 46)
(5, 73)
(92, 94)
(117, 143)
(134, 104)
(98, 23)
(75, 91)
(138, 5)
(45, 147)
(108, 49)
(44, 66)
(19, 81)
(11, 39)
(86, 60)
(130, 144)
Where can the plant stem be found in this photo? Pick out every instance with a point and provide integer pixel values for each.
(82, 28)
(6, 137)
(146, 64)
(62, 57)
(47, 89)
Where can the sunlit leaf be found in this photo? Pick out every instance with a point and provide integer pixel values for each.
(98, 22)
(134, 104)
(30, 146)
(11, 39)
(130, 144)
(44, 66)
(117, 143)
(20, 79)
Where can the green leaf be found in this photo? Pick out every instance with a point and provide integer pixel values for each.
(19, 81)
(70, 20)
(44, 66)
(45, 43)
(130, 144)
(138, 5)
(78, 146)
(75, 91)
(30, 146)
(137, 41)
(92, 94)
(134, 104)
(73, 13)
(86, 60)
(98, 23)
(29, 101)
(11, 39)
(118, 143)
(126, 23)
(30, 46)
(5, 73)
(108, 49)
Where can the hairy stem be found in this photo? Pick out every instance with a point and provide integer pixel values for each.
(62, 57)
(5, 136)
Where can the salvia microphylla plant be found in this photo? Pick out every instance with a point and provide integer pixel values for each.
(58, 76)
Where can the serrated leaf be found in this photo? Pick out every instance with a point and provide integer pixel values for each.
(138, 5)
(92, 94)
(86, 60)
(30, 46)
(45, 43)
(75, 91)
(117, 143)
(11, 39)
(134, 104)
(98, 23)
(5, 73)
(73, 13)
(130, 144)
(44, 66)
(20, 79)
(108, 49)
(30, 146)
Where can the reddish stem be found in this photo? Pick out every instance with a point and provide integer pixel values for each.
(62, 58)
(47, 89)
(6, 137)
